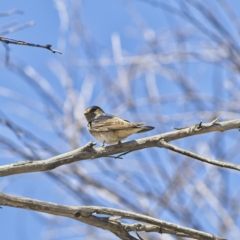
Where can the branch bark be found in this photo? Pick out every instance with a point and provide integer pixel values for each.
(164, 144)
(88, 152)
(88, 215)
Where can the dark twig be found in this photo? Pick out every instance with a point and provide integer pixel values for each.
(19, 42)
(139, 236)
(122, 154)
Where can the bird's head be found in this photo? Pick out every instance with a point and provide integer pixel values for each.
(93, 112)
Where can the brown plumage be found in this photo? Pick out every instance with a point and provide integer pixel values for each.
(109, 129)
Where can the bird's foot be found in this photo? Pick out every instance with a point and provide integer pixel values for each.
(119, 142)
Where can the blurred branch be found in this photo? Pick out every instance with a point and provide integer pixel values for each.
(15, 29)
(24, 136)
(19, 42)
(88, 152)
(88, 215)
(10, 12)
(7, 25)
(40, 85)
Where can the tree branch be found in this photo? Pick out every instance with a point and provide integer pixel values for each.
(88, 215)
(10, 12)
(88, 152)
(19, 42)
(15, 29)
(164, 144)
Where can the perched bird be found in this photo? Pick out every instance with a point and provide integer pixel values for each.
(109, 129)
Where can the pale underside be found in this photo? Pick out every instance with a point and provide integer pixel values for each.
(111, 129)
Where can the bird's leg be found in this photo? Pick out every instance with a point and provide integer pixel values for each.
(103, 144)
(119, 142)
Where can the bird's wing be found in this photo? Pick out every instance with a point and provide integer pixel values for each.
(108, 122)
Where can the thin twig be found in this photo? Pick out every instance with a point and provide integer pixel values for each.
(198, 157)
(18, 28)
(10, 12)
(120, 155)
(19, 42)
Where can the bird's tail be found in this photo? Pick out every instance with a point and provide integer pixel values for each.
(145, 129)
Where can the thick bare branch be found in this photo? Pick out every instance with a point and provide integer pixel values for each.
(88, 152)
(87, 214)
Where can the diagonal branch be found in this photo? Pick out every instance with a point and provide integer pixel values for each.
(88, 152)
(19, 42)
(15, 29)
(10, 12)
(89, 215)
(164, 144)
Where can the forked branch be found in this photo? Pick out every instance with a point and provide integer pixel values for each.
(88, 152)
(89, 215)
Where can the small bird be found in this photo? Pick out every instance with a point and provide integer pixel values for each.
(109, 129)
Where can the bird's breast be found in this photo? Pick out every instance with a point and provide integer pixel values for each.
(108, 137)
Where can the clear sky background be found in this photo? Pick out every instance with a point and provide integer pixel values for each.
(88, 32)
